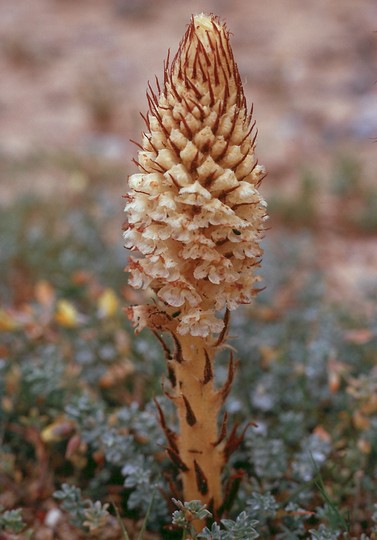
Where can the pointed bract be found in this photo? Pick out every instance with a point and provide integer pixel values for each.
(194, 211)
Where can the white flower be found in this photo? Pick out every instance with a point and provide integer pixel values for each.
(132, 237)
(194, 194)
(221, 270)
(138, 278)
(200, 323)
(198, 250)
(177, 293)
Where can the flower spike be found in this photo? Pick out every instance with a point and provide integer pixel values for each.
(195, 199)
(195, 220)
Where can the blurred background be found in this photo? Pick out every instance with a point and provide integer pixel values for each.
(75, 386)
(73, 80)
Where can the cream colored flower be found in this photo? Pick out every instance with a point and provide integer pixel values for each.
(178, 293)
(195, 214)
(200, 323)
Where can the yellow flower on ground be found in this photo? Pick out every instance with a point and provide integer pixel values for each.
(7, 322)
(108, 304)
(66, 314)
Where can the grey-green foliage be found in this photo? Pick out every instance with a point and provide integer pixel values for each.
(143, 479)
(243, 528)
(214, 533)
(187, 512)
(324, 533)
(313, 453)
(262, 506)
(130, 444)
(43, 374)
(117, 447)
(94, 357)
(33, 233)
(96, 515)
(71, 503)
(11, 520)
(84, 513)
(291, 427)
(330, 513)
(90, 416)
(293, 524)
(144, 423)
(268, 456)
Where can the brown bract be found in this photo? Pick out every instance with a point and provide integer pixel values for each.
(195, 216)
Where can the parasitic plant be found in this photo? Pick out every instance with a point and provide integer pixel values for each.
(195, 219)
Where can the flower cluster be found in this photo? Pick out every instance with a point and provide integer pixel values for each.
(194, 211)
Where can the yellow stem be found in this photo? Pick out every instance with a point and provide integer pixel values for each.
(198, 404)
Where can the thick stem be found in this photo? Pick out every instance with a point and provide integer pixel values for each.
(198, 404)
